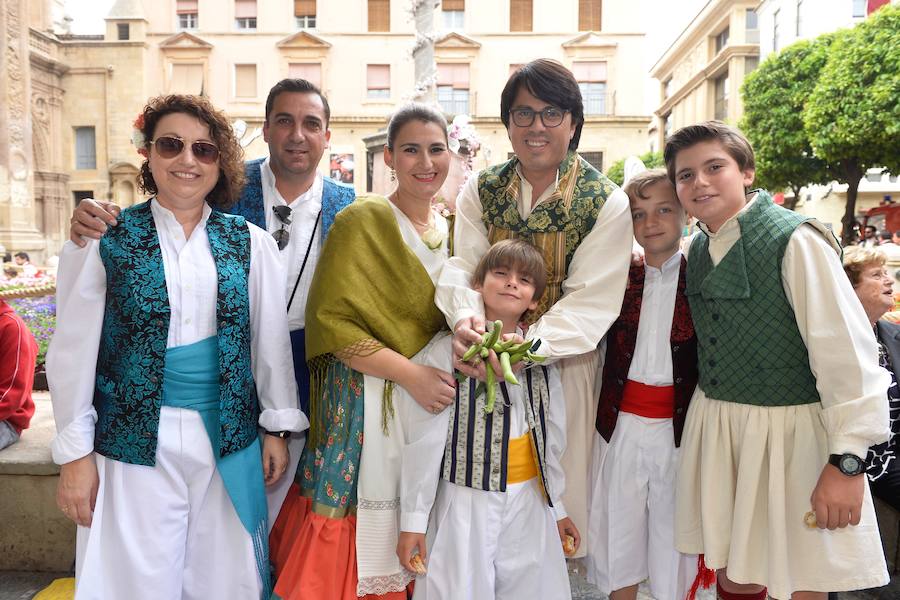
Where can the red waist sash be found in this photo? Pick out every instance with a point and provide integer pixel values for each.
(651, 401)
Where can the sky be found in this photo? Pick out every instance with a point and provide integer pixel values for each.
(88, 15)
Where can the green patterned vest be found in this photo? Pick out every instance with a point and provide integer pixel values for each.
(556, 226)
(749, 348)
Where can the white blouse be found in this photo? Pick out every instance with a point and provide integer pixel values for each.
(191, 284)
(593, 287)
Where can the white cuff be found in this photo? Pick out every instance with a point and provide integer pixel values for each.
(414, 522)
(283, 419)
(844, 444)
(559, 510)
(76, 440)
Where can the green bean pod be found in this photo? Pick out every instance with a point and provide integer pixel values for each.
(490, 392)
(471, 352)
(508, 374)
(484, 352)
(494, 335)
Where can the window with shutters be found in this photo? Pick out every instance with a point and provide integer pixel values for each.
(594, 158)
(453, 13)
(311, 72)
(187, 78)
(187, 12)
(591, 78)
(245, 81)
(245, 14)
(123, 31)
(721, 99)
(453, 88)
(85, 148)
(305, 14)
(379, 15)
(751, 24)
(520, 15)
(722, 40)
(589, 15)
(378, 82)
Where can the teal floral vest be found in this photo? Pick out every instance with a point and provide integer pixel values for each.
(556, 226)
(749, 347)
(128, 389)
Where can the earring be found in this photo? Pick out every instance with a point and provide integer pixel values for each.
(393, 175)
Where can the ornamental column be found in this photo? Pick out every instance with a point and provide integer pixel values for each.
(18, 215)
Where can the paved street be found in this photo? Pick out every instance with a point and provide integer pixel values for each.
(23, 586)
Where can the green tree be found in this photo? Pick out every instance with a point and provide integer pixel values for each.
(774, 96)
(852, 116)
(651, 160)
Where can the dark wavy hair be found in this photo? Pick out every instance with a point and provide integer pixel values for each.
(550, 81)
(231, 155)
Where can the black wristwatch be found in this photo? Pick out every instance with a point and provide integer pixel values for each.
(849, 464)
(279, 434)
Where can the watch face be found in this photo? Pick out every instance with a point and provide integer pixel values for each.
(850, 464)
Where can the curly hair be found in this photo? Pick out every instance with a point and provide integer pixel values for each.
(231, 156)
(857, 259)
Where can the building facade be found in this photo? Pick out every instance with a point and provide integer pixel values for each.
(357, 51)
(700, 74)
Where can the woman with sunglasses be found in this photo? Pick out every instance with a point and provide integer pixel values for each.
(370, 311)
(170, 348)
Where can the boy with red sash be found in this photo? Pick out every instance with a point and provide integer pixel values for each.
(649, 376)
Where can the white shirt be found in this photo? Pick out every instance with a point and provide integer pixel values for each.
(304, 209)
(592, 290)
(843, 352)
(191, 285)
(427, 437)
(652, 361)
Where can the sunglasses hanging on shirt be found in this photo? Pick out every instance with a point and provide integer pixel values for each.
(282, 236)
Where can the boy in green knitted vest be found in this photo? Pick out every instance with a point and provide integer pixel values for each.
(771, 486)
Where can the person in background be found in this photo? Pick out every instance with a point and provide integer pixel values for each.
(870, 280)
(170, 351)
(18, 351)
(870, 237)
(24, 262)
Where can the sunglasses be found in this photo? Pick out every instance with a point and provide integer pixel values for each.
(283, 235)
(170, 147)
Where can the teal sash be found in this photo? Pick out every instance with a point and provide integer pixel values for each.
(192, 382)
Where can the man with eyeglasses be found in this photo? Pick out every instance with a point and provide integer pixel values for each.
(286, 195)
(578, 219)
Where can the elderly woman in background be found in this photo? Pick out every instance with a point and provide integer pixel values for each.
(866, 269)
(165, 326)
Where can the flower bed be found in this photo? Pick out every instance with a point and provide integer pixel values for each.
(40, 315)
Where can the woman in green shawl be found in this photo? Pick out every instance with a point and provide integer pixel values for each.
(370, 310)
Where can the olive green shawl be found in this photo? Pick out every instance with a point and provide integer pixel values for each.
(369, 292)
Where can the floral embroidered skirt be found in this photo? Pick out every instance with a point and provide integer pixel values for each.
(313, 542)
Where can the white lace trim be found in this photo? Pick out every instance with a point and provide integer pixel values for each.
(365, 504)
(384, 584)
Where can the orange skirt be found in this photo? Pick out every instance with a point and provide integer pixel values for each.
(315, 556)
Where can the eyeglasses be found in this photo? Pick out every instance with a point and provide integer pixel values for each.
(170, 147)
(550, 116)
(283, 235)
